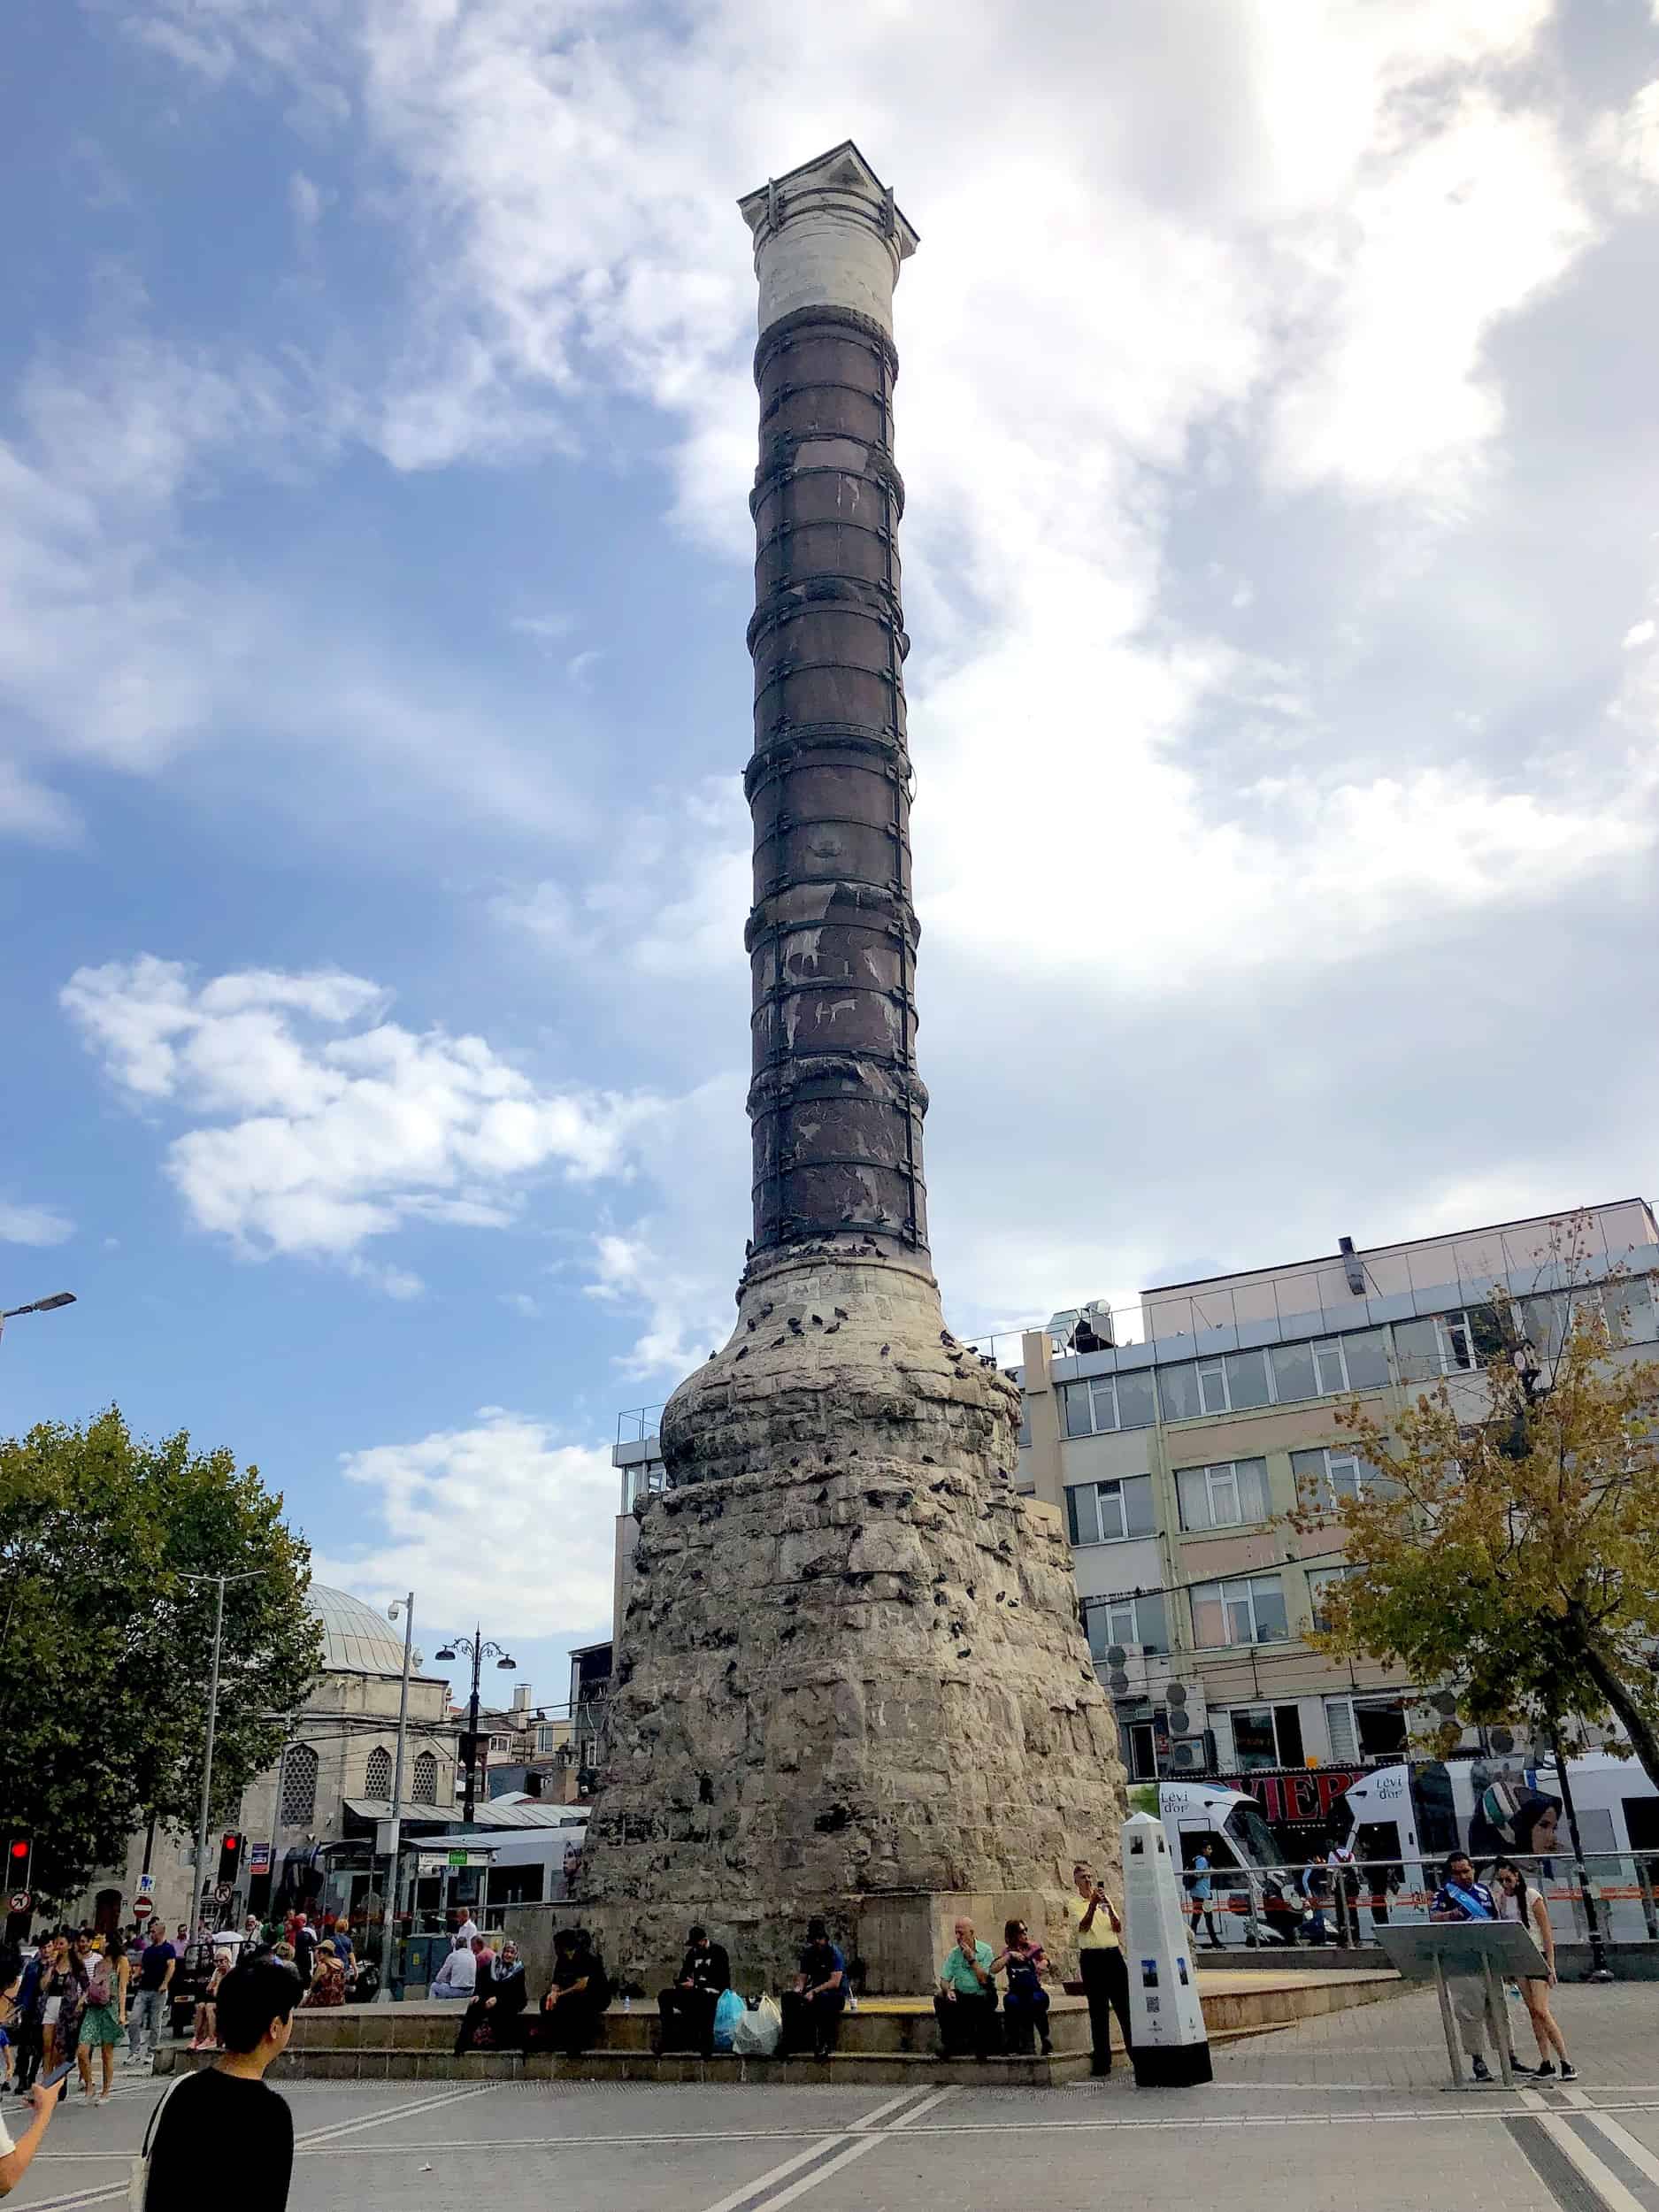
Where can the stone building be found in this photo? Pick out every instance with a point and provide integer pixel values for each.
(318, 1805)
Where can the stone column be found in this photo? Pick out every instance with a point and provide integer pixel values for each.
(850, 1677)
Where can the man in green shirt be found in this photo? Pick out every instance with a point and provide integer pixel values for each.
(966, 2004)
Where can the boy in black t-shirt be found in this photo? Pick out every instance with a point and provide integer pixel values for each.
(224, 2120)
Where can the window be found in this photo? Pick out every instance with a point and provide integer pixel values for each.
(1629, 1310)
(1226, 1495)
(1137, 1624)
(1448, 1343)
(1248, 1609)
(299, 1786)
(1283, 1375)
(544, 1740)
(1366, 1727)
(1141, 1751)
(425, 1790)
(1107, 1512)
(1319, 1580)
(1266, 1736)
(377, 1781)
(1106, 1403)
(1324, 1478)
(499, 1747)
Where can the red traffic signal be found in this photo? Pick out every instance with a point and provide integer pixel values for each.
(230, 1850)
(19, 1849)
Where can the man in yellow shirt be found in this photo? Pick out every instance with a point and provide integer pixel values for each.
(1102, 1964)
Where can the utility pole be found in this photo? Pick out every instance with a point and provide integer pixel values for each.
(1600, 1971)
(219, 1583)
(207, 1756)
(388, 1911)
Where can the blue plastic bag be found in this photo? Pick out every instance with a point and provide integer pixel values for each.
(727, 2013)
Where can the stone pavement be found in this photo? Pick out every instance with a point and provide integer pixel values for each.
(1339, 2115)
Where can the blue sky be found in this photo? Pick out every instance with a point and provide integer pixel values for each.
(1281, 567)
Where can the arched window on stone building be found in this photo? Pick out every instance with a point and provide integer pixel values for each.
(378, 1779)
(425, 1790)
(299, 1786)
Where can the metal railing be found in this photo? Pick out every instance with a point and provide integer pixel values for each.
(1250, 1908)
(637, 1423)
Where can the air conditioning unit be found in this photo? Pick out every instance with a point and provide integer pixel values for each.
(1193, 1754)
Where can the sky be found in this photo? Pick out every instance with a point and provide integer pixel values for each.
(1281, 437)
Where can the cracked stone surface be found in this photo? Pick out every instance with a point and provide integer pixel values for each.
(851, 1666)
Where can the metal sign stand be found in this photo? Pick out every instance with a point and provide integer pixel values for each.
(1483, 1950)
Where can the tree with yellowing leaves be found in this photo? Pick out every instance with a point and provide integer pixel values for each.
(1509, 1550)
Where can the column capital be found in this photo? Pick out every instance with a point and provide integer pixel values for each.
(827, 235)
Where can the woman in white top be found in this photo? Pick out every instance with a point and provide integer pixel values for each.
(1517, 1902)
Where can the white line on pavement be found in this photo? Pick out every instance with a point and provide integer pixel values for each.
(1578, 2153)
(826, 2140)
(854, 2150)
(1637, 2152)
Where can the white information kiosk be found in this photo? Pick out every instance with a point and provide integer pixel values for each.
(1165, 2016)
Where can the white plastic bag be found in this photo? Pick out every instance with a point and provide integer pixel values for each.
(757, 2029)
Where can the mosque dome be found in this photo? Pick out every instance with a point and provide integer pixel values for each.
(356, 1637)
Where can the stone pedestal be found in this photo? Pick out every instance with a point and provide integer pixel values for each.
(851, 1678)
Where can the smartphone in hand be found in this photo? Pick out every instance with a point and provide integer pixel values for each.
(57, 2074)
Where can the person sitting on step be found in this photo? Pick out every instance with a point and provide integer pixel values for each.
(965, 2003)
(687, 2010)
(812, 2008)
(1026, 2007)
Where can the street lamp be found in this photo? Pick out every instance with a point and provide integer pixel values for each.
(388, 1914)
(477, 1650)
(218, 1581)
(41, 1305)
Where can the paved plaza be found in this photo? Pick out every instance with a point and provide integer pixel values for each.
(1348, 2111)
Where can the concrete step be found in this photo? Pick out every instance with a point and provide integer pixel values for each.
(888, 2039)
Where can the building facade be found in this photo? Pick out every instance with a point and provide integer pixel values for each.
(317, 1806)
(1177, 1457)
(1175, 1439)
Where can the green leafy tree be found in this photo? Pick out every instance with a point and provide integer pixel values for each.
(106, 1643)
(1511, 1550)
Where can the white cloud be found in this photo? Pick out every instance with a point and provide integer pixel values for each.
(330, 1125)
(502, 1521)
(33, 1224)
(1639, 633)
(305, 199)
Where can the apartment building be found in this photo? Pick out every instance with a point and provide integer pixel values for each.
(1176, 1445)
(1176, 1436)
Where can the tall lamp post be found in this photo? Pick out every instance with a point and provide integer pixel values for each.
(218, 1582)
(388, 1913)
(477, 1650)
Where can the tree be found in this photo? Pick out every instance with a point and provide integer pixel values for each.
(1509, 1547)
(104, 1643)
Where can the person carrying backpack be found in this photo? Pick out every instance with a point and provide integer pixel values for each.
(101, 2027)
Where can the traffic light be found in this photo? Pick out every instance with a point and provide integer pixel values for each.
(19, 1853)
(230, 1849)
